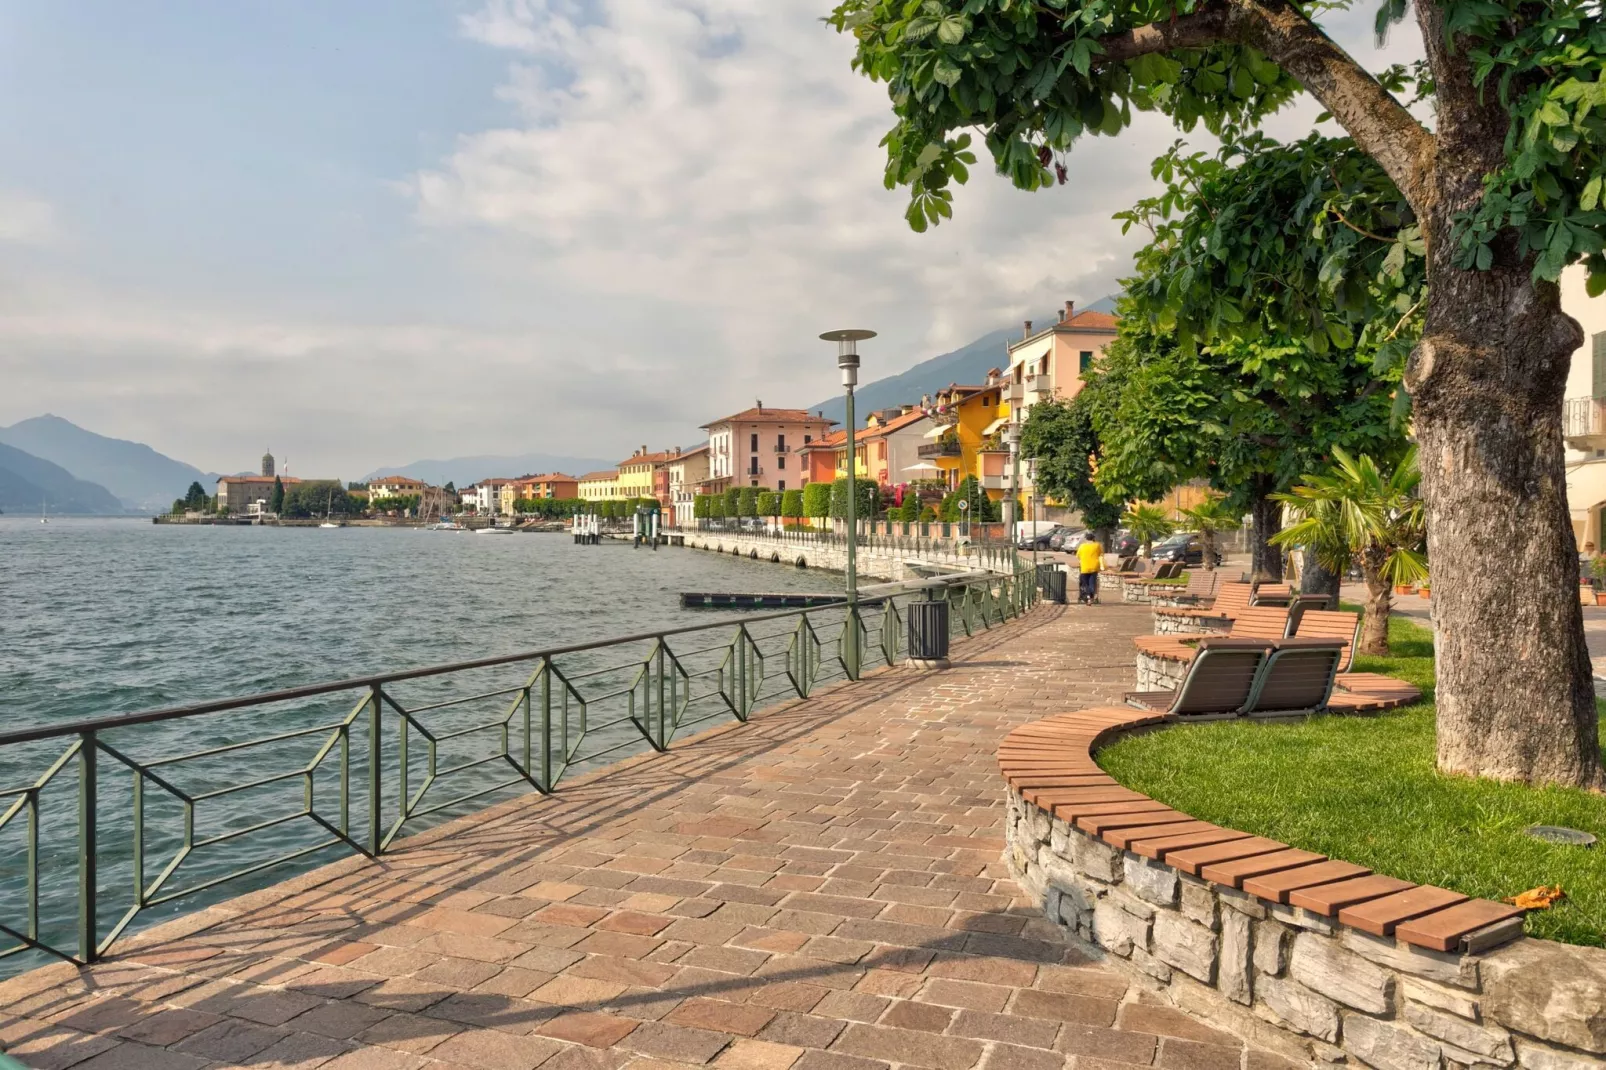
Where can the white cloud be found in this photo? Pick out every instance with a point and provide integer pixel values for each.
(26, 219)
(685, 194)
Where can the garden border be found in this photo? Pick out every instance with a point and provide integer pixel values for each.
(1384, 972)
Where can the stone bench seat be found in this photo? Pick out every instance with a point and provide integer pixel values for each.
(1050, 765)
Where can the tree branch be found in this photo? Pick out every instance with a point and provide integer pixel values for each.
(1201, 29)
(1378, 122)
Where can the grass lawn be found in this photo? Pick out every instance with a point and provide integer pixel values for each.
(1364, 789)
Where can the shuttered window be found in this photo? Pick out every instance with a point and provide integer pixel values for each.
(1600, 364)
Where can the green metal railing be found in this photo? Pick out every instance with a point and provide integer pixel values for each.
(997, 555)
(107, 825)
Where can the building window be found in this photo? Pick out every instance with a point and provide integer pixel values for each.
(781, 485)
(1084, 360)
(755, 442)
(807, 439)
(780, 443)
(780, 463)
(754, 483)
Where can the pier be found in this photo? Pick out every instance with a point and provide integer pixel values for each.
(818, 888)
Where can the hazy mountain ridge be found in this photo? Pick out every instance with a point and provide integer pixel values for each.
(967, 364)
(143, 480)
(462, 471)
(29, 484)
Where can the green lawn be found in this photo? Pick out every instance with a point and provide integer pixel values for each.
(1364, 789)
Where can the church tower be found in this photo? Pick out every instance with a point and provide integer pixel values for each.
(267, 463)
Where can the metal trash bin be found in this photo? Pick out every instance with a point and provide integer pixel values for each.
(1057, 580)
(928, 634)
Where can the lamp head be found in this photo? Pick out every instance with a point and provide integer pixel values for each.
(847, 352)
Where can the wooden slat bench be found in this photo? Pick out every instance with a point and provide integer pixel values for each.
(1229, 600)
(1330, 624)
(1424, 916)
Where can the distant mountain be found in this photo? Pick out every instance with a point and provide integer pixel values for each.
(968, 364)
(29, 484)
(144, 480)
(461, 471)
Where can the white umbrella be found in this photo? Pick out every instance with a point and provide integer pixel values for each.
(923, 466)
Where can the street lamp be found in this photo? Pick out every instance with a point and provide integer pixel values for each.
(1012, 438)
(1031, 475)
(847, 360)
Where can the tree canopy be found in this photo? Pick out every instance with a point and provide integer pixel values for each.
(1060, 439)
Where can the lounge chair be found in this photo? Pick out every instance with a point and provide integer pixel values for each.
(1297, 678)
(1220, 682)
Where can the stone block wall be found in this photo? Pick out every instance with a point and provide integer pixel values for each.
(1186, 623)
(1298, 982)
(1159, 674)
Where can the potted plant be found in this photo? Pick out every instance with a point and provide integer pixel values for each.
(1597, 573)
(1405, 588)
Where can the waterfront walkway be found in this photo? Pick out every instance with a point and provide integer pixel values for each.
(820, 889)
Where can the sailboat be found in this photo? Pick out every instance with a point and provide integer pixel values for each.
(42, 518)
(327, 509)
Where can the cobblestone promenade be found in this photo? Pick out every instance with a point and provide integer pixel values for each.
(820, 889)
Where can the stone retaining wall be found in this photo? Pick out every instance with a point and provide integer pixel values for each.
(1159, 674)
(1179, 623)
(1297, 982)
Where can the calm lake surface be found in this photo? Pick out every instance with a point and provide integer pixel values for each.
(107, 617)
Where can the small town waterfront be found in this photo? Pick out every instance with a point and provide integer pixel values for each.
(111, 617)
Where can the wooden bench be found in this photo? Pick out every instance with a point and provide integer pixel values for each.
(1222, 677)
(1328, 624)
(1200, 587)
(1229, 599)
(1050, 764)
(1254, 622)
(1273, 594)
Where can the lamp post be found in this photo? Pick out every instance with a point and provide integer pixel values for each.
(847, 361)
(1031, 474)
(1012, 438)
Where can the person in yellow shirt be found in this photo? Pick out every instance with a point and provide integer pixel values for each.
(1089, 558)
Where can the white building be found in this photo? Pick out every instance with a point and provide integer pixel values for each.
(688, 469)
(1585, 410)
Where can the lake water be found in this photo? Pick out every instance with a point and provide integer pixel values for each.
(107, 617)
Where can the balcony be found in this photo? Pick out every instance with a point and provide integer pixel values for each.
(1041, 384)
(1017, 393)
(1585, 423)
(938, 449)
(989, 482)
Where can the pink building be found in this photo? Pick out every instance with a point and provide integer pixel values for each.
(758, 448)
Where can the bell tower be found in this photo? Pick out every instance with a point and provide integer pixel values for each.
(267, 463)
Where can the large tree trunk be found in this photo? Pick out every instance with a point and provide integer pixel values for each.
(1265, 560)
(1515, 698)
(1317, 578)
(1375, 622)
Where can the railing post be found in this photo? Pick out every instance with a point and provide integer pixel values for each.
(546, 726)
(850, 655)
(88, 821)
(375, 795)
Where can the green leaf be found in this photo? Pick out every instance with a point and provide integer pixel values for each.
(951, 31)
(946, 72)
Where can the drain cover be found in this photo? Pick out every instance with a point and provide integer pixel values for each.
(1557, 834)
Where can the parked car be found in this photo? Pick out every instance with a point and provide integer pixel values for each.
(1189, 549)
(1123, 545)
(1041, 540)
(1066, 539)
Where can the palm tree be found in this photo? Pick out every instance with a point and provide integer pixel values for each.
(1360, 513)
(1147, 523)
(1207, 518)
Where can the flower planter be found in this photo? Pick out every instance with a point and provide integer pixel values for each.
(1423, 592)
(1405, 588)
(1600, 598)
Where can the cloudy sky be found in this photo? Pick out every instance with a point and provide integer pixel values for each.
(371, 231)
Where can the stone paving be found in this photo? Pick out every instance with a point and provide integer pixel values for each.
(820, 889)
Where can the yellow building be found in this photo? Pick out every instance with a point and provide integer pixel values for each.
(966, 439)
(600, 486)
(636, 474)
